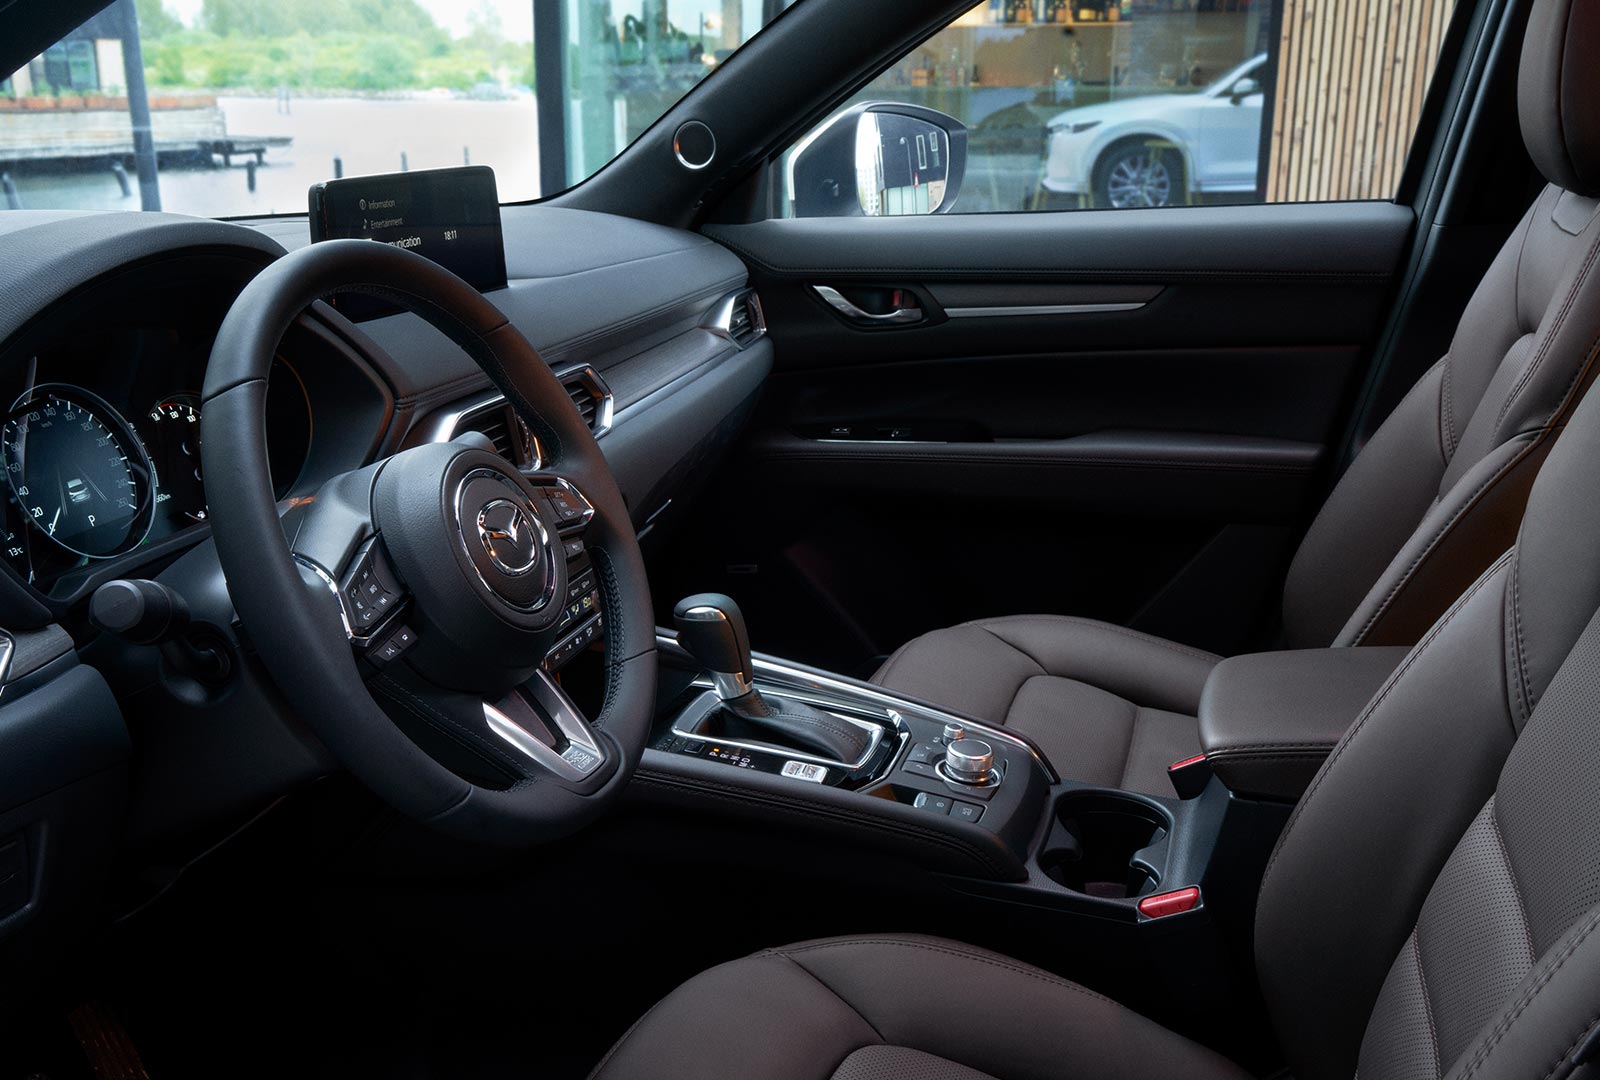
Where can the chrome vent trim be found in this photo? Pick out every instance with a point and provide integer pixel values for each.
(489, 414)
(738, 318)
(592, 397)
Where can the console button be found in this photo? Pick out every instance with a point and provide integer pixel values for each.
(933, 804)
(926, 753)
(920, 768)
(965, 811)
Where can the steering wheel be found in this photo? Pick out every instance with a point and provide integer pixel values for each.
(412, 610)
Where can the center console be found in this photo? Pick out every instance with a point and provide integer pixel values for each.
(974, 802)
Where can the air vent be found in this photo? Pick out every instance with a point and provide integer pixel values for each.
(591, 396)
(511, 437)
(737, 317)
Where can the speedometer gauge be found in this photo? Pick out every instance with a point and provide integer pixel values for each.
(78, 472)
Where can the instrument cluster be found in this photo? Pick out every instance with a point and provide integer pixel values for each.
(102, 458)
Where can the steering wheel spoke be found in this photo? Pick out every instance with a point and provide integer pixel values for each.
(542, 723)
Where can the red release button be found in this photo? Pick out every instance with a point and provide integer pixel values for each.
(1186, 763)
(1170, 903)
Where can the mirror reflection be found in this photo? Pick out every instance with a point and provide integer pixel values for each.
(902, 165)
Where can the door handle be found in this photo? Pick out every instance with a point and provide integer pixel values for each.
(901, 316)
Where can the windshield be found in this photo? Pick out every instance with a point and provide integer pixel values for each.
(247, 103)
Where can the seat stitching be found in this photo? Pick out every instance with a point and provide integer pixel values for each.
(1556, 327)
(1014, 648)
(786, 958)
(1519, 647)
(1447, 414)
(1372, 708)
(1149, 639)
(980, 958)
(1566, 1055)
(1511, 875)
(1427, 1001)
(1547, 431)
(1443, 531)
(1507, 1021)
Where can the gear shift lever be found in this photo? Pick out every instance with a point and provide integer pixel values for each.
(711, 627)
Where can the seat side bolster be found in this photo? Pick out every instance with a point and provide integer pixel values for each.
(1376, 821)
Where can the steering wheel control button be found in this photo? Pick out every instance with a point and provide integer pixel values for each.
(965, 811)
(393, 645)
(571, 509)
(805, 770)
(932, 804)
(371, 590)
(969, 761)
(573, 548)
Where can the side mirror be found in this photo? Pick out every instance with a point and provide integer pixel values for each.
(1244, 88)
(879, 159)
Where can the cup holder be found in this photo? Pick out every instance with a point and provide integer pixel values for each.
(1094, 840)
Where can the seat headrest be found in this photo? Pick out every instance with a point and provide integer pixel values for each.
(1558, 93)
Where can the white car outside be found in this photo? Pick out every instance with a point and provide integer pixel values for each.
(1113, 151)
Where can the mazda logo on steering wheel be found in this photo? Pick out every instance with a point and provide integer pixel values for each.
(508, 536)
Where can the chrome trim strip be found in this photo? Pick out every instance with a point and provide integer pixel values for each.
(605, 403)
(8, 651)
(1041, 309)
(583, 754)
(446, 423)
(332, 586)
(708, 704)
(719, 318)
(848, 693)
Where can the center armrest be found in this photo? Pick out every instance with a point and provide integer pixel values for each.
(1269, 720)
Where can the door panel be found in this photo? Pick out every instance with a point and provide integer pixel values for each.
(1120, 414)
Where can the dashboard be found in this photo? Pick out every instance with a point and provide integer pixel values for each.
(107, 322)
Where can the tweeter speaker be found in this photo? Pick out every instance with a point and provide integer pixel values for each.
(694, 145)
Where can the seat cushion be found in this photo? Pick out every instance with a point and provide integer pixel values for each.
(1108, 705)
(896, 1007)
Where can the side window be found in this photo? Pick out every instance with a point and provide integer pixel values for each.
(1077, 104)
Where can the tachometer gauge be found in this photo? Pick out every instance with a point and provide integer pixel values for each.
(174, 428)
(78, 472)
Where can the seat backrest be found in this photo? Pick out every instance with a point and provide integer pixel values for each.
(1438, 492)
(1432, 907)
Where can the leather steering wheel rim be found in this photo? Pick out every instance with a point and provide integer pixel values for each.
(297, 630)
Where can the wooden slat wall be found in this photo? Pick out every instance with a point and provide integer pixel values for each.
(1351, 78)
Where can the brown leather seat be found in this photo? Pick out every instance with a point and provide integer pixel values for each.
(1432, 909)
(1433, 499)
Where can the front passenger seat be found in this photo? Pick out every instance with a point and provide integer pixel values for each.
(1432, 909)
(1433, 499)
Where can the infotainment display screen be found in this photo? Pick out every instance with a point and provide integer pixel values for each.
(451, 216)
